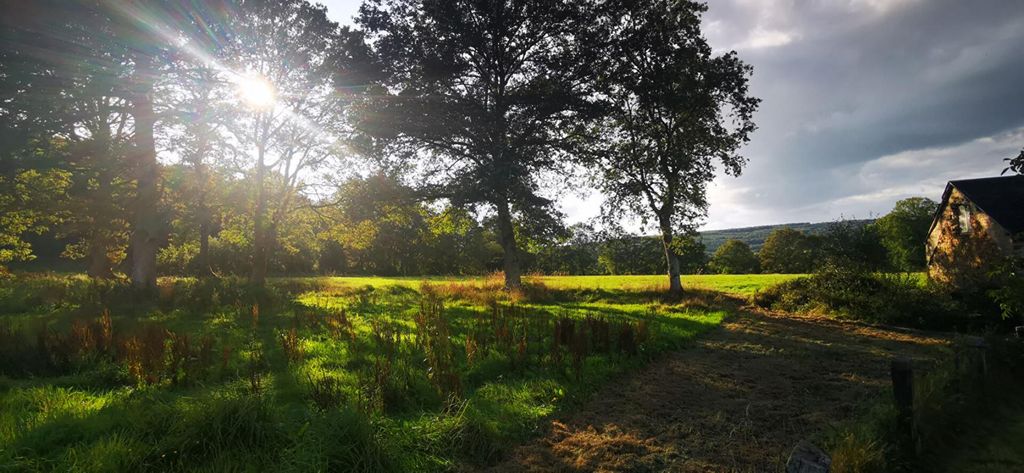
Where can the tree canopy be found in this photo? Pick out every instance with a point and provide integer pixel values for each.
(484, 96)
(903, 232)
(734, 257)
(789, 251)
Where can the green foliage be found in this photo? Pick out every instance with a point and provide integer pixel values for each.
(851, 243)
(691, 253)
(789, 251)
(851, 291)
(28, 205)
(903, 232)
(631, 255)
(490, 127)
(734, 257)
(1008, 290)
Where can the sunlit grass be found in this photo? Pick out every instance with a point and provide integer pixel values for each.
(737, 284)
(96, 419)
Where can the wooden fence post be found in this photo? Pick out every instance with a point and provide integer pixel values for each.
(903, 391)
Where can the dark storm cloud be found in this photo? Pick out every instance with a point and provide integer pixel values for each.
(846, 84)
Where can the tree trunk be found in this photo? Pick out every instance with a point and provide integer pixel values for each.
(203, 185)
(258, 276)
(203, 212)
(507, 239)
(146, 225)
(101, 204)
(203, 258)
(99, 264)
(671, 259)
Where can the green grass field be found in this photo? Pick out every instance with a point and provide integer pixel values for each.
(735, 284)
(340, 374)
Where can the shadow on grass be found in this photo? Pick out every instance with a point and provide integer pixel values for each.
(739, 400)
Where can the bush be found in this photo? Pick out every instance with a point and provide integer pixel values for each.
(863, 295)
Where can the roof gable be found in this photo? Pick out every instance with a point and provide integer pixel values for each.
(1002, 198)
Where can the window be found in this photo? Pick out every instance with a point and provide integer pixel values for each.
(963, 218)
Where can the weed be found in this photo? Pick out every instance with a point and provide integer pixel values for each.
(325, 392)
(291, 345)
(434, 338)
(257, 363)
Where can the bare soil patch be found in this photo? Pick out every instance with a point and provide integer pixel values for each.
(738, 400)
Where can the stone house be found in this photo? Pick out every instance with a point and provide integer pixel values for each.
(979, 223)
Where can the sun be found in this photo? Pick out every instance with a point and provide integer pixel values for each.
(256, 91)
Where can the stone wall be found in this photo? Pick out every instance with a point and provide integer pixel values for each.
(964, 260)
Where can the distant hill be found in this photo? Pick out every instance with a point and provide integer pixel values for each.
(755, 236)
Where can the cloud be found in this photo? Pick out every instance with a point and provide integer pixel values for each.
(869, 102)
(761, 38)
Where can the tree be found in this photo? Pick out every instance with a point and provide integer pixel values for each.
(66, 70)
(789, 251)
(485, 96)
(281, 55)
(904, 229)
(734, 257)
(380, 227)
(629, 254)
(691, 252)
(577, 253)
(201, 114)
(675, 110)
(80, 70)
(853, 244)
(1015, 164)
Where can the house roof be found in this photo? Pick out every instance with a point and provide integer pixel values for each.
(1002, 198)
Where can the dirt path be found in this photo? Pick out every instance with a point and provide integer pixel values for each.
(737, 401)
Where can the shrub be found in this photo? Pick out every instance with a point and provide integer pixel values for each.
(863, 295)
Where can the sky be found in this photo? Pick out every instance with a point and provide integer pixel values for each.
(864, 102)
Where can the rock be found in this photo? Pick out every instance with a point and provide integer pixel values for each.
(807, 458)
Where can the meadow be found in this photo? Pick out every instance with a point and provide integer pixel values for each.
(314, 374)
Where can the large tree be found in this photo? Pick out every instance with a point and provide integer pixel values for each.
(903, 232)
(280, 57)
(677, 111)
(485, 95)
(65, 75)
(734, 257)
(87, 73)
(789, 251)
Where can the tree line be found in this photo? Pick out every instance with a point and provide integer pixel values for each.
(256, 137)
(894, 242)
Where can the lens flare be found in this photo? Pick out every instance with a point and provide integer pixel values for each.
(256, 91)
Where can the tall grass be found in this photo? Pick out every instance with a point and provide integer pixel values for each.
(217, 376)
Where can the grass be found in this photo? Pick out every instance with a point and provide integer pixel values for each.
(735, 284)
(992, 446)
(349, 374)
